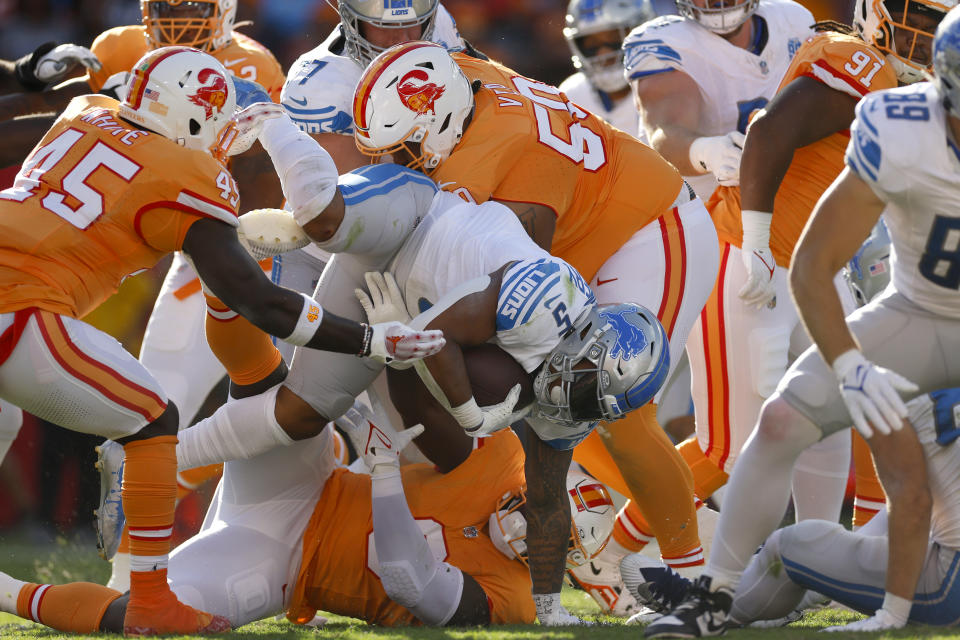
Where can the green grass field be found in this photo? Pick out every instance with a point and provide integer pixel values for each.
(68, 561)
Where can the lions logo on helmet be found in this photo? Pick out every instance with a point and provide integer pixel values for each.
(631, 340)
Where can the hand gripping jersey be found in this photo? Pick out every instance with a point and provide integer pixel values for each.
(540, 296)
(900, 146)
(120, 48)
(844, 63)
(528, 143)
(97, 201)
(339, 569)
(621, 114)
(733, 82)
(318, 94)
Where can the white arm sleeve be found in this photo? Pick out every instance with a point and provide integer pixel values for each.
(382, 205)
(307, 173)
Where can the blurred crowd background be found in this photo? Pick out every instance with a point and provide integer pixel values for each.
(48, 486)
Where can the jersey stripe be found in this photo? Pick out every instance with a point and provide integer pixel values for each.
(393, 177)
(715, 359)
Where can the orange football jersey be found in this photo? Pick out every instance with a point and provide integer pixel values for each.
(120, 48)
(339, 567)
(96, 201)
(528, 143)
(844, 63)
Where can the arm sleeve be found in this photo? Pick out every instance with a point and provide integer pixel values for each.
(864, 154)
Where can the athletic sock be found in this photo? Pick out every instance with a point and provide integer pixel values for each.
(77, 607)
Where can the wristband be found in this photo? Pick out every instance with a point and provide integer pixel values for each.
(367, 338)
(468, 414)
(307, 323)
(756, 229)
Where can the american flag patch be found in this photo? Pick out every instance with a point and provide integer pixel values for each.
(877, 268)
(150, 94)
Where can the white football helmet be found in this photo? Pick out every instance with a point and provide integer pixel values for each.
(720, 17)
(614, 360)
(383, 14)
(946, 62)
(413, 99)
(903, 30)
(589, 17)
(202, 24)
(183, 94)
(592, 513)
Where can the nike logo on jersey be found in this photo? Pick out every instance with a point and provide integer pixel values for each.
(230, 63)
(600, 282)
(594, 570)
(302, 102)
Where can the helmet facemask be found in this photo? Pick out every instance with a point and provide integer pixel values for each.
(720, 16)
(356, 14)
(590, 24)
(903, 30)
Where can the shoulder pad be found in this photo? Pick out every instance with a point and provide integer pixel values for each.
(656, 46)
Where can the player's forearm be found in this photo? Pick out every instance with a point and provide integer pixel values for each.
(766, 158)
(673, 143)
(816, 299)
(547, 513)
(449, 373)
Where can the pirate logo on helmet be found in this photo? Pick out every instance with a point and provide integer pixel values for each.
(417, 93)
(212, 93)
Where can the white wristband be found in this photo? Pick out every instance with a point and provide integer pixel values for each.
(846, 361)
(756, 229)
(468, 414)
(308, 323)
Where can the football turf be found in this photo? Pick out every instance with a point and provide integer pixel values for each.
(66, 561)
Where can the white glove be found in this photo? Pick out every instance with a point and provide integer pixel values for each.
(116, 85)
(870, 393)
(479, 422)
(379, 448)
(56, 64)
(759, 290)
(385, 302)
(879, 621)
(719, 155)
(396, 341)
(249, 123)
(551, 613)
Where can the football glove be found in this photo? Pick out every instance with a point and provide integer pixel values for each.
(719, 155)
(479, 422)
(385, 302)
(249, 123)
(870, 393)
(877, 622)
(50, 63)
(379, 448)
(116, 86)
(249, 92)
(392, 341)
(759, 289)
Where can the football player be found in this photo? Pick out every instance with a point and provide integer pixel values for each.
(789, 160)
(485, 133)
(292, 530)
(100, 204)
(697, 77)
(910, 329)
(851, 568)
(595, 32)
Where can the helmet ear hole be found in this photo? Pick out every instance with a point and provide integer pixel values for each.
(194, 127)
(446, 123)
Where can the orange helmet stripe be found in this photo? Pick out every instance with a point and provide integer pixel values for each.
(590, 496)
(141, 75)
(373, 73)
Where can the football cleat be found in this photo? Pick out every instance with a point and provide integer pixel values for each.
(652, 583)
(601, 579)
(702, 613)
(109, 518)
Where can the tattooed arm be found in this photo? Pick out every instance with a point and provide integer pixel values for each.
(538, 221)
(548, 516)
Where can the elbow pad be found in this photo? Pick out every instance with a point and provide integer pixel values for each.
(307, 173)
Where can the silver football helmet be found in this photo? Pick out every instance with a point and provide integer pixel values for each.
(613, 360)
(589, 17)
(868, 272)
(383, 14)
(946, 61)
(720, 17)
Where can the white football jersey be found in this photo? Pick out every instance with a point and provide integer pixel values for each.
(318, 93)
(622, 114)
(936, 419)
(900, 146)
(733, 82)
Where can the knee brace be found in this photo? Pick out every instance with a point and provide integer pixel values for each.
(433, 600)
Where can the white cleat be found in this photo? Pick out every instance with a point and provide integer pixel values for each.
(652, 583)
(601, 579)
(645, 615)
(109, 515)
